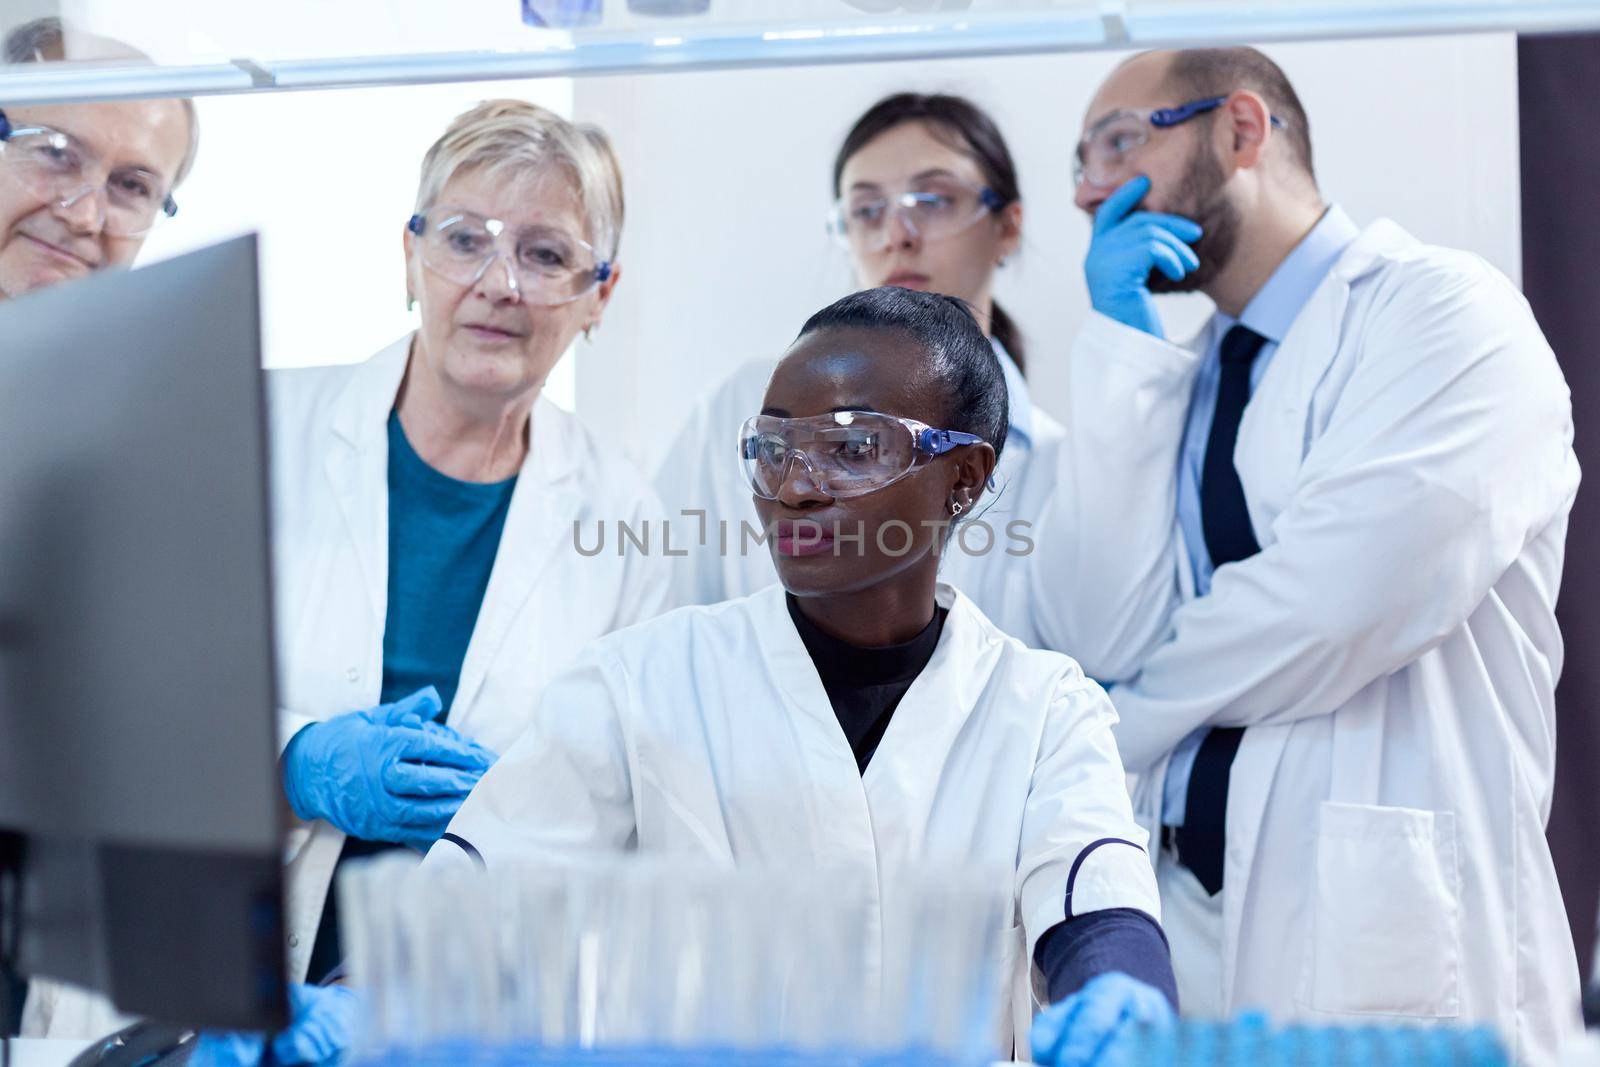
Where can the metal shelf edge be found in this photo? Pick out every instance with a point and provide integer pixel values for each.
(1111, 24)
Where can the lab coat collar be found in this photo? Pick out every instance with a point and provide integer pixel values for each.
(869, 821)
(545, 506)
(903, 777)
(781, 644)
(1019, 402)
(786, 656)
(356, 463)
(1282, 399)
(1380, 243)
(943, 695)
(545, 503)
(362, 414)
(1272, 311)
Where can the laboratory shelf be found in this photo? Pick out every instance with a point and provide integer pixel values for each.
(203, 48)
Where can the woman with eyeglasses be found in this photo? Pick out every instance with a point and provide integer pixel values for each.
(927, 198)
(862, 716)
(425, 503)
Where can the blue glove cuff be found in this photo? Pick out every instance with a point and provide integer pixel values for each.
(1137, 310)
(298, 801)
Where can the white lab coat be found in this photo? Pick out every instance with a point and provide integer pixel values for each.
(330, 496)
(1393, 648)
(544, 601)
(701, 471)
(707, 732)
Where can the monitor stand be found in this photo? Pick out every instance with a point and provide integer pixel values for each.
(13, 987)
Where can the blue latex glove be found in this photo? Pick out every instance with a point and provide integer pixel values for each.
(324, 1024)
(386, 774)
(325, 1021)
(1126, 246)
(1086, 1027)
(227, 1050)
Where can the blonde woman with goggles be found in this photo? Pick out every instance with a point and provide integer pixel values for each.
(425, 502)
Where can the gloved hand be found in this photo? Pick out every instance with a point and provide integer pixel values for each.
(1126, 246)
(1085, 1027)
(227, 1050)
(389, 773)
(324, 1023)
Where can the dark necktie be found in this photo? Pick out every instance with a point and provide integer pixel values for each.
(1229, 538)
(1223, 515)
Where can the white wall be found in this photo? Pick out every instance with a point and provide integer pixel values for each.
(724, 254)
(14, 13)
(727, 180)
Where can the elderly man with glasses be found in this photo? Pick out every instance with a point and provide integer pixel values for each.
(81, 185)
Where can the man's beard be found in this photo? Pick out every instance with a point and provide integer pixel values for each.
(1200, 197)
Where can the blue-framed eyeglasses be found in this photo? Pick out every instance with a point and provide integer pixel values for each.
(59, 169)
(545, 264)
(1103, 153)
(844, 453)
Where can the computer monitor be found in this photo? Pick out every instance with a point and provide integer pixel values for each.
(137, 737)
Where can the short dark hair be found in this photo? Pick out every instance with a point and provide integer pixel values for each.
(963, 360)
(31, 42)
(1198, 73)
(968, 129)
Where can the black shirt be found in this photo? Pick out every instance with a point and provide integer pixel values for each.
(865, 685)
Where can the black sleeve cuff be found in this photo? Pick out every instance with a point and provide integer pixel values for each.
(1117, 939)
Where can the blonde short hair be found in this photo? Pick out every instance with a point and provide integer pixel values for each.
(508, 134)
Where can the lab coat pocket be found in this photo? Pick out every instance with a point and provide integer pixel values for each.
(1386, 913)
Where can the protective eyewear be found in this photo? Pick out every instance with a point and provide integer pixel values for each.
(1104, 151)
(545, 265)
(933, 209)
(61, 170)
(844, 453)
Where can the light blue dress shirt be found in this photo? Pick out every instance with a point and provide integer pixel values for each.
(1270, 314)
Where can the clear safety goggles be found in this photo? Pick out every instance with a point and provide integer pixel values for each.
(933, 209)
(545, 265)
(1103, 154)
(844, 453)
(61, 170)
